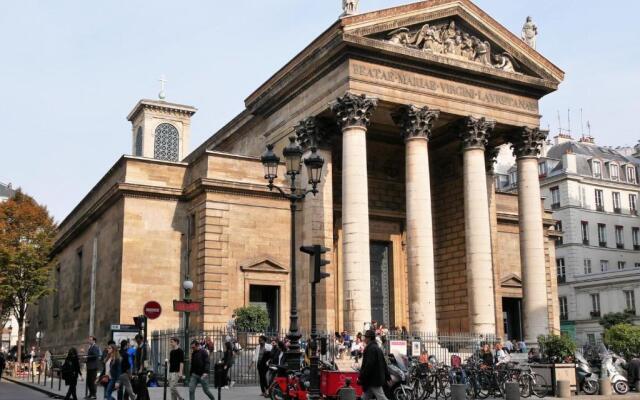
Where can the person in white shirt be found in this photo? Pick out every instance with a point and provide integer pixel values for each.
(261, 356)
(502, 357)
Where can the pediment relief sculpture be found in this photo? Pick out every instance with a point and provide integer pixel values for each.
(511, 280)
(448, 39)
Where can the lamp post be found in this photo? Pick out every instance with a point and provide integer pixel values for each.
(293, 162)
(187, 285)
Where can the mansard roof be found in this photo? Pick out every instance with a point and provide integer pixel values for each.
(6, 191)
(589, 150)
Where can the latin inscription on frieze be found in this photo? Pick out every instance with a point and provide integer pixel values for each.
(442, 87)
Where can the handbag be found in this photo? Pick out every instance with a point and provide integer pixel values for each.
(104, 380)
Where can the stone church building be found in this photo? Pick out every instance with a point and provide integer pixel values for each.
(407, 106)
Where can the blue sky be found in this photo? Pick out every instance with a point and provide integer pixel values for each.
(70, 72)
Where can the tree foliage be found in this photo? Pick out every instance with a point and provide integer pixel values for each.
(556, 348)
(612, 319)
(623, 339)
(251, 319)
(26, 236)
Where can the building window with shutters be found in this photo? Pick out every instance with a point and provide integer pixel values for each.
(619, 237)
(617, 208)
(596, 167)
(599, 200)
(630, 301)
(621, 265)
(561, 270)
(595, 305)
(613, 172)
(633, 208)
(635, 238)
(631, 174)
(555, 197)
(604, 265)
(584, 225)
(564, 308)
(602, 235)
(587, 266)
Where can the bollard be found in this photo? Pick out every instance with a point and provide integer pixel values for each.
(458, 391)
(164, 394)
(605, 386)
(59, 381)
(512, 391)
(347, 392)
(563, 389)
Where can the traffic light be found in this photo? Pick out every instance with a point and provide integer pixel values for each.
(316, 251)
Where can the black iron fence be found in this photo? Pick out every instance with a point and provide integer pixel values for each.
(244, 371)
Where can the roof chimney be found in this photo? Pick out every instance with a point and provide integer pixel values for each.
(562, 138)
(587, 139)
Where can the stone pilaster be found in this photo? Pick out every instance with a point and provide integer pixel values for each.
(526, 145)
(474, 135)
(353, 113)
(416, 124)
(316, 226)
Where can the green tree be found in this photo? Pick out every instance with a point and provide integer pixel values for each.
(251, 319)
(624, 339)
(556, 348)
(612, 319)
(26, 236)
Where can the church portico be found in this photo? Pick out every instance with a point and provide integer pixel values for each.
(407, 127)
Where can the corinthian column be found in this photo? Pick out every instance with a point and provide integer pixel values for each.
(416, 124)
(353, 113)
(477, 229)
(526, 146)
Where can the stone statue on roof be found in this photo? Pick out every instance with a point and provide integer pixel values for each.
(350, 7)
(530, 32)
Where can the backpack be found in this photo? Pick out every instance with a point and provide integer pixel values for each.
(66, 371)
(456, 361)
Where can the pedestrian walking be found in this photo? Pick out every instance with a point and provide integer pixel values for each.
(199, 371)
(3, 364)
(176, 367)
(112, 369)
(125, 391)
(228, 360)
(70, 371)
(261, 356)
(373, 373)
(93, 364)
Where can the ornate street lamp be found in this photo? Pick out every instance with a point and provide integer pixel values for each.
(187, 285)
(293, 162)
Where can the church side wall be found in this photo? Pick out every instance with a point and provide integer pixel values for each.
(70, 326)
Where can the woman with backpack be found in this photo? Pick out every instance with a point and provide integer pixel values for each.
(112, 369)
(70, 371)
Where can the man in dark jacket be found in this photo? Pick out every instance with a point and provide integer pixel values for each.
(199, 370)
(3, 363)
(373, 373)
(93, 364)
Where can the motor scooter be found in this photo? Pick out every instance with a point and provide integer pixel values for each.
(587, 379)
(397, 388)
(613, 365)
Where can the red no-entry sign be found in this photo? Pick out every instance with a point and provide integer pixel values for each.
(152, 309)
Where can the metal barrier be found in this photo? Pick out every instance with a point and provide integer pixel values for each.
(244, 371)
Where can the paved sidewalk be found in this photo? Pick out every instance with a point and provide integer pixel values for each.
(235, 393)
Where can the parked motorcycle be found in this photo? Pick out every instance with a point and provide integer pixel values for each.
(587, 379)
(613, 364)
(397, 388)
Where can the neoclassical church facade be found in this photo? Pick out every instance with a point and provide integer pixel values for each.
(406, 106)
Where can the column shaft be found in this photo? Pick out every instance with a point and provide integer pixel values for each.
(355, 227)
(421, 270)
(477, 231)
(534, 280)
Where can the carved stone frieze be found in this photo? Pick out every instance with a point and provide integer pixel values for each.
(527, 142)
(475, 132)
(445, 38)
(314, 132)
(353, 110)
(415, 121)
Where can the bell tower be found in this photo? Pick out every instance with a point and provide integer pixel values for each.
(160, 129)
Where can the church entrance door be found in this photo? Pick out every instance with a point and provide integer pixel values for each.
(267, 297)
(511, 312)
(381, 283)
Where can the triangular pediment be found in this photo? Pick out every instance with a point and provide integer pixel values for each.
(455, 33)
(263, 264)
(511, 280)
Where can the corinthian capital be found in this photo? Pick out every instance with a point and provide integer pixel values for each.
(414, 121)
(527, 142)
(353, 110)
(314, 132)
(475, 132)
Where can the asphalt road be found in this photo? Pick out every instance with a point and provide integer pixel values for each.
(12, 391)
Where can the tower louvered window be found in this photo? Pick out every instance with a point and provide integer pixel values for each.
(166, 143)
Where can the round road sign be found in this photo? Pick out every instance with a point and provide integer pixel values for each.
(152, 309)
